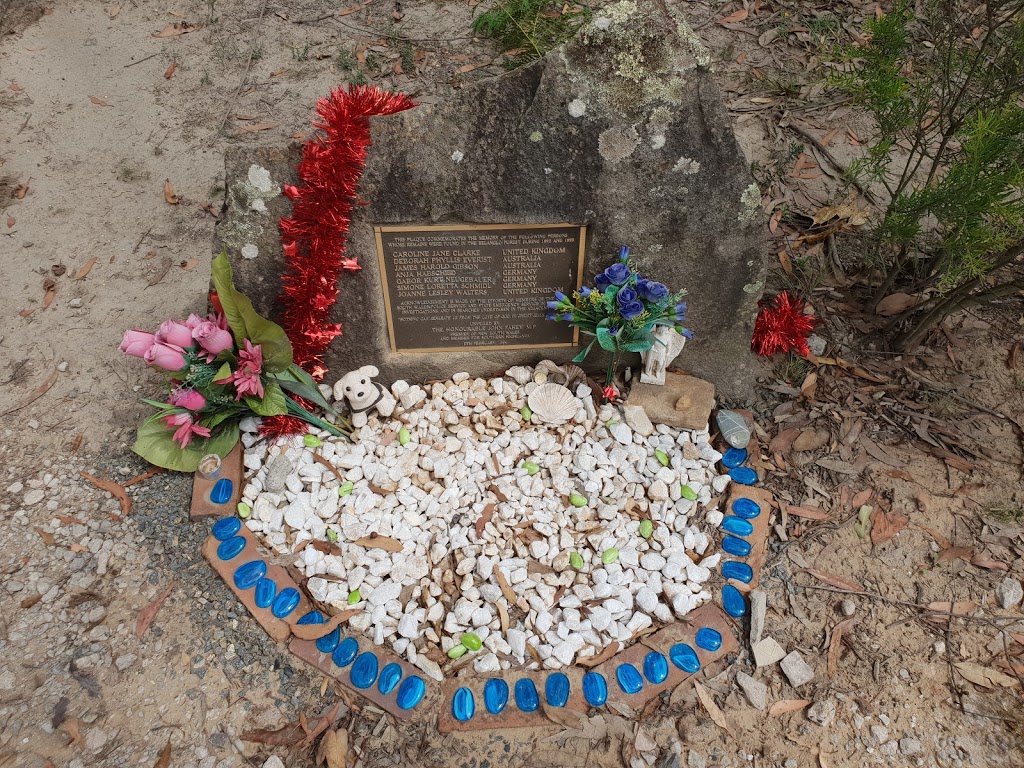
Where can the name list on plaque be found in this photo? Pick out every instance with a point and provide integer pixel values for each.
(478, 286)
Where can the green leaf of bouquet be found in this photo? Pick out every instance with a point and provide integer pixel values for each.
(297, 410)
(220, 417)
(223, 372)
(155, 444)
(247, 323)
(158, 404)
(308, 393)
(637, 345)
(273, 402)
(606, 340)
(586, 351)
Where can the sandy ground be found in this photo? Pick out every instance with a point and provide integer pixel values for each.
(95, 114)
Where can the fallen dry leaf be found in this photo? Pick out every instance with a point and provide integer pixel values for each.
(316, 631)
(835, 645)
(189, 264)
(114, 489)
(15, 87)
(287, 736)
(984, 560)
(809, 386)
(954, 553)
(593, 661)
(567, 718)
(151, 472)
(885, 525)
(73, 727)
(468, 68)
(147, 614)
(333, 749)
(178, 28)
(376, 541)
(806, 512)
(28, 602)
(114, 11)
(11, 221)
(983, 676)
(709, 704)
(254, 128)
(51, 292)
(327, 547)
(169, 195)
(38, 392)
(169, 72)
(895, 304)
(46, 536)
(86, 269)
(99, 102)
(19, 192)
(787, 705)
(735, 16)
(834, 581)
(484, 518)
(164, 760)
(942, 612)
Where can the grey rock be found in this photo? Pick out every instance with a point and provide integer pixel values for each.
(95, 739)
(668, 759)
(1009, 593)
(848, 607)
(523, 159)
(755, 691)
(888, 749)
(636, 418)
(879, 733)
(796, 669)
(33, 497)
(277, 472)
(124, 662)
(273, 762)
(910, 746)
(695, 759)
(822, 712)
(758, 606)
(733, 427)
(816, 344)
(767, 651)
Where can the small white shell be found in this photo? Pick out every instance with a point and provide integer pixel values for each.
(574, 375)
(540, 376)
(520, 374)
(552, 404)
(569, 375)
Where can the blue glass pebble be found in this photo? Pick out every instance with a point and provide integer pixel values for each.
(737, 526)
(708, 639)
(495, 695)
(230, 548)
(733, 601)
(266, 591)
(734, 457)
(364, 670)
(463, 705)
(329, 642)
(733, 569)
(389, 677)
(313, 617)
(746, 508)
(247, 575)
(743, 475)
(655, 667)
(527, 698)
(286, 601)
(345, 652)
(410, 692)
(735, 546)
(595, 689)
(222, 489)
(684, 657)
(226, 527)
(556, 690)
(629, 679)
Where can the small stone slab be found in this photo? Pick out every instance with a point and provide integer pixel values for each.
(767, 651)
(309, 653)
(230, 468)
(759, 538)
(797, 670)
(684, 631)
(755, 691)
(683, 401)
(278, 629)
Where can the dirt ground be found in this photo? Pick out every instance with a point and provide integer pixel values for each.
(98, 114)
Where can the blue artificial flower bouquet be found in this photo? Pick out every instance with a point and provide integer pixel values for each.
(621, 311)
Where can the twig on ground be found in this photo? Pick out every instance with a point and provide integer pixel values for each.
(147, 58)
(245, 75)
(832, 160)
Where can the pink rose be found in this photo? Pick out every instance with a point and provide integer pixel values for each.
(212, 338)
(220, 321)
(136, 343)
(194, 321)
(165, 356)
(177, 334)
(188, 399)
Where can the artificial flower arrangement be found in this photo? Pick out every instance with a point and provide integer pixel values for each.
(234, 363)
(620, 312)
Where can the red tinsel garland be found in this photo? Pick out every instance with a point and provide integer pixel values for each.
(315, 235)
(781, 326)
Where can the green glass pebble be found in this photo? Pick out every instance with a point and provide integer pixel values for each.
(332, 535)
(354, 597)
(646, 528)
(346, 488)
(576, 560)
(311, 441)
(472, 641)
(530, 467)
(526, 413)
(578, 500)
(662, 457)
(688, 493)
(244, 510)
(457, 651)
(403, 436)
(609, 556)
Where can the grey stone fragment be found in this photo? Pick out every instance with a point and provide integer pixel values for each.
(888, 749)
(733, 427)
(816, 344)
(848, 607)
(637, 419)
(1009, 593)
(273, 762)
(123, 662)
(758, 606)
(755, 691)
(910, 746)
(822, 712)
(277, 472)
(695, 760)
(879, 733)
(796, 669)
(767, 651)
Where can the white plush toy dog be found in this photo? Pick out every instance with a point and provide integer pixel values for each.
(361, 393)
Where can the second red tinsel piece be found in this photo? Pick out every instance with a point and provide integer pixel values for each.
(314, 236)
(781, 326)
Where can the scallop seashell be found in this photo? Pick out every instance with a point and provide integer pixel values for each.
(552, 403)
(520, 374)
(574, 376)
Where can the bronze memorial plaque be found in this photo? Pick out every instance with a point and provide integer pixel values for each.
(458, 287)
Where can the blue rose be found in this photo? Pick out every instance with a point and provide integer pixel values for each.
(625, 295)
(631, 310)
(624, 253)
(585, 291)
(617, 274)
(602, 282)
(651, 291)
(680, 310)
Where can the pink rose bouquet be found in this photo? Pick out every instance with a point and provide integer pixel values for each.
(231, 364)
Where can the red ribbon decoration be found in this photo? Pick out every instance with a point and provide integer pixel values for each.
(782, 326)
